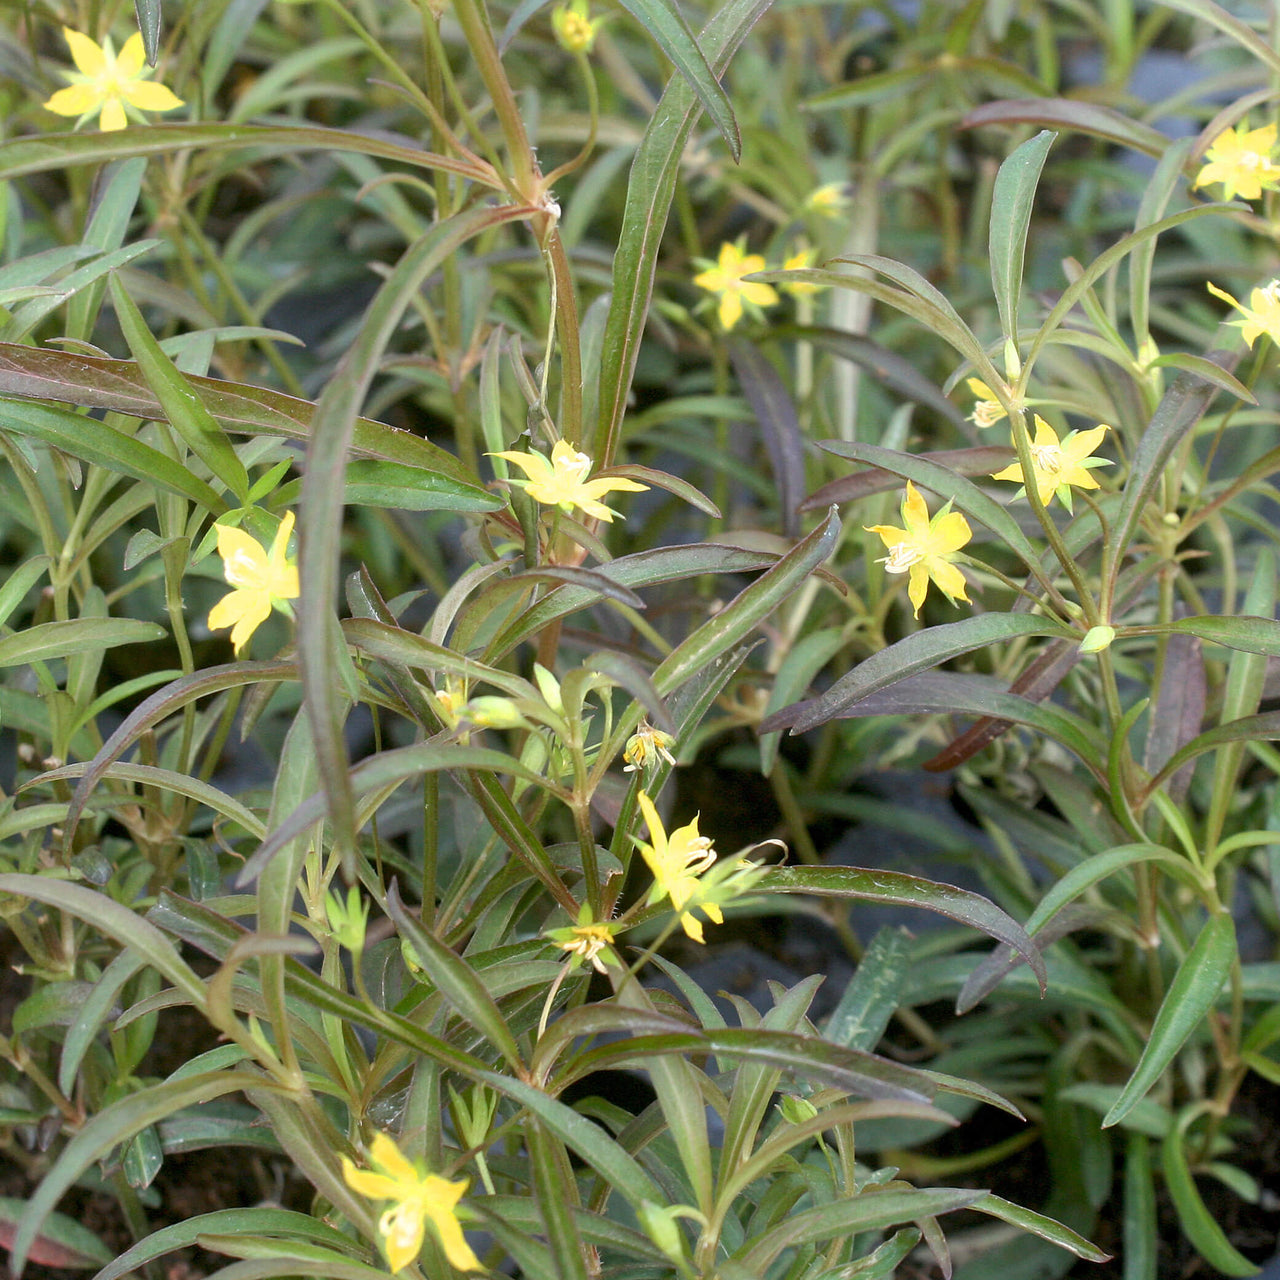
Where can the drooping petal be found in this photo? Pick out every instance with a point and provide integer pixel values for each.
(730, 309)
(440, 1199)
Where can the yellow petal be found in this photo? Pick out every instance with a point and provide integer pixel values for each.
(375, 1186)
(112, 117)
(917, 585)
(439, 1207)
(915, 512)
(948, 533)
(74, 101)
(386, 1156)
(244, 561)
(88, 55)
(132, 58)
(146, 95)
(402, 1228)
(730, 310)
(692, 926)
(949, 579)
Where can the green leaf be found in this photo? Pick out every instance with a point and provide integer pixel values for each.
(119, 188)
(871, 1210)
(456, 981)
(911, 891)
(241, 410)
(1039, 1225)
(1140, 1226)
(650, 190)
(108, 1128)
(374, 482)
(62, 1242)
(666, 24)
(320, 648)
(871, 998)
(1070, 113)
(105, 446)
(49, 640)
(94, 1010)
(1197, 1223)
(919, 652)
(1012, 200)
(1248, 634)
(183, 409)
(1244, 35)
(147, 13)
(1250, 728)
(1190, 997)
(747, 609)
(18, 582)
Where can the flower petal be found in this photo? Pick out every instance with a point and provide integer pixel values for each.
(87, 54)
(113, 116)
(949, 579)
(917, 585)
(375, 1186)
(386, 1156)
(441, 1196)
(948, 533)
(146, 95)
(132, 58)
(75, 101)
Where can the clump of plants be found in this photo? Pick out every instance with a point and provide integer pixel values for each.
(807, 393)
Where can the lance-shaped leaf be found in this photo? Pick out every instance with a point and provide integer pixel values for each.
(1070, 113)
(1190, 996)
(62, 1242)
(971, 909)
(48, 640)
(456, 981)
(917, 652)
(981, 460)
(1012, 199)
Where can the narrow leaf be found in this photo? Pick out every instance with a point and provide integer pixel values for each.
(1190, 997)
(1012, 200)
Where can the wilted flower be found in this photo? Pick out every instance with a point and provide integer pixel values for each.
(1262, 315)
(104, 84)
(1241, 160)
(262, 580)
(417, 1198)
(562, 481)
(1058, 466)
(987, 410)
(645, 745)
(588, 941)
(923, 548)
(574, 30)
(725, 278)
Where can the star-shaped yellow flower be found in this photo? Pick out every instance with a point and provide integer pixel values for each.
(724, 277)
(417, 1198)
(562, 482)
(262, 579)
(923, 548)
(589, 941)
(1241, 160)
(104, 84)
(1059, 465)
(1262, 315)
(676, 862)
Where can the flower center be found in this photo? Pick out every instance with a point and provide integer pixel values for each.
(902, 557)
(987, 413)
(577, 32)
(573, 466)
(1047, 457)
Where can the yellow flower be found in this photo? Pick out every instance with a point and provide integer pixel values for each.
(262, 579)
(802, 257)
(1058, 466)
(923, 548)
(725, 278)
(574, 30)
(562, 482)
(103, 84)
(829, 200)
(1262, 315)
(417, 1198)
(676, 862)
(987, 410)
(586, 942)
(1241, 161)
(646, 744)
